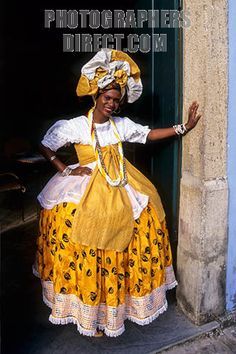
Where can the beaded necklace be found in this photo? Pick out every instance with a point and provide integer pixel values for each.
(121, 180)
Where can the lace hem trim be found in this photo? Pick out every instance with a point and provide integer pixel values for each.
(70, 309)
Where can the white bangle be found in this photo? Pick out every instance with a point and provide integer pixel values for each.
(53, 157)
(66, 172)
(180, 129)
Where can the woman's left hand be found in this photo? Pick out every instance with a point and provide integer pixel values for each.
(193, 117)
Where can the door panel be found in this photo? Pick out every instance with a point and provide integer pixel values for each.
(160, 106)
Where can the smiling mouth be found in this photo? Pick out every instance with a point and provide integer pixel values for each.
(108, 110)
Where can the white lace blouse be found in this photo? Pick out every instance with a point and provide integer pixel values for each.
(77, 131)
(71, 188)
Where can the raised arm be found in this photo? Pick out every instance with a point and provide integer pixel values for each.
(163, 133)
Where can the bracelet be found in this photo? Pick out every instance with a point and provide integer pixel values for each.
(66, 172)
(180, 129)
(53, 157)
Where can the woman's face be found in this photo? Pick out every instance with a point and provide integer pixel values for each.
(108, 102)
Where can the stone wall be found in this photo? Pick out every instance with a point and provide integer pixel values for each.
(204, 190)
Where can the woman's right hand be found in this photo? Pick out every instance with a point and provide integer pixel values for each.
(81, 171)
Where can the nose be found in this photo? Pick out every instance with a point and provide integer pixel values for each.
(111, 104)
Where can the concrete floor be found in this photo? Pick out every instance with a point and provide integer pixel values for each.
(25, 325)
(223, 341)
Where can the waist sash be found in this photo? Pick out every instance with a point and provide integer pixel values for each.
(104, 216)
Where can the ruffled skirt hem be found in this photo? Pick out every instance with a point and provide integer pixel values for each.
(135, 309)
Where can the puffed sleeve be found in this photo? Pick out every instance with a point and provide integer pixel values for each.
(134, 132)
(59, 134)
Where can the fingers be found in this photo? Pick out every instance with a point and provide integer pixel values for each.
(88, 170)
(84, 171)
(194, 106)
(195, 109)
(198, 117)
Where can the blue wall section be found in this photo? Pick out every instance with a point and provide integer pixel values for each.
(231, 259)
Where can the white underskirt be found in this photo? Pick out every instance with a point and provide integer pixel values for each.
(71, 189)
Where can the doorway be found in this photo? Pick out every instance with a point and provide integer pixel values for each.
(160, 106)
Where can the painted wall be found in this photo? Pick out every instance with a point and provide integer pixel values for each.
(231, 258)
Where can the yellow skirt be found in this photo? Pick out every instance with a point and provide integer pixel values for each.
(96, 288)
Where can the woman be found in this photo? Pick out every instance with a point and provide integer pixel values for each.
(103, 252)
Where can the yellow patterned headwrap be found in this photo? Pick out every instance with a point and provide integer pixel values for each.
(110, 65)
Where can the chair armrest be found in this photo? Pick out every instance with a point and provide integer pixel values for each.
(18, 184)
